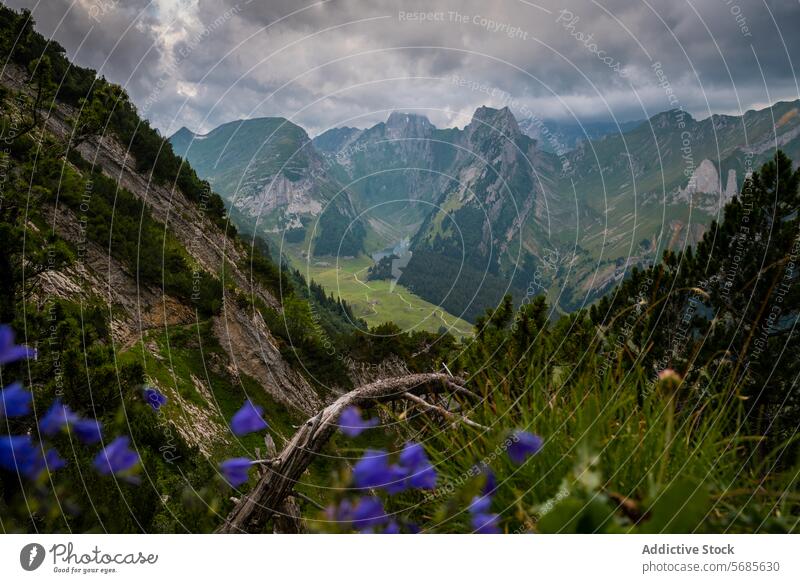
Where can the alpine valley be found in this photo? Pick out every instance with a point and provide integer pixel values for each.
(458, 217)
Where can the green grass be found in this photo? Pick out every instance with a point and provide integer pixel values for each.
(375, 301)
(609, 465)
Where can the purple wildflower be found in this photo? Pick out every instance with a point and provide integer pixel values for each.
(50, 461)
(483, 520)
(57, 416)
(248, 419)
(480, 505)
(154, 398)
(352, 424)
(523, 446)
(414, 461)
(236, 470)
(373, 471)
(341, 513)
(116, 457)
(491, 482)
(486, 523)
(392, 528)
(368, 512)
(10, 352)
(88, 430)
(397, 480)
(15, 401)
(17, 452)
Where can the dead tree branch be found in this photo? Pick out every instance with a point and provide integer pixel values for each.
(257, 506)
(444, 412)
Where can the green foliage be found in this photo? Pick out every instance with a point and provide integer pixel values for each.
(729, 304)
(77, 364)
(382, 269)
(610, 463)
(338, 235)
(107, 105)
(459, 288)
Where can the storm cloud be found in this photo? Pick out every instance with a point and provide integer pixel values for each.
(324, 64)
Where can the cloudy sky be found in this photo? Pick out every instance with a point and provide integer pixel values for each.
(330, 63)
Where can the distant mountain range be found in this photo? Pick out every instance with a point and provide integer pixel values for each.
(498, 206)
(559, 137)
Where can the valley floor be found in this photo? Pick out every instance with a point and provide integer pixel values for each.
(378, 302)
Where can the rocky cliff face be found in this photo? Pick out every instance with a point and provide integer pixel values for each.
(496, 184)
(268, 170)
(136, 309)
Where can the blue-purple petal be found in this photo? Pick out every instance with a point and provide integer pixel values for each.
(486, 523)
(523, 445)
(88, 430)
(248, 419)
(10, 352)
(15, 401)
(116, 457)
(17, 452)
(154, 398)
(368, 512)
(236, 470)
(352, 424)
(56, 418)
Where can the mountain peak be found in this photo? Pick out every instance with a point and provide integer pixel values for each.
(182, 133)
(500, 120)
(408, 125)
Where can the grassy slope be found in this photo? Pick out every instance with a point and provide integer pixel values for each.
(375, 302)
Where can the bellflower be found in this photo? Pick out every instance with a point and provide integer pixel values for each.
(15, 401)
(17, 452)
(480, 505)
(392, 528)
(491, 482)
(56, 417)
(116, 457)
(10, 352)
(368, 512)
(50, 461)
(486, 523)
(414, 461)
(373, 471)
(483, 520)
(248, 419)
(397, 480)
(88, 430)
(352, 424)
(154, 398)
(236, 470)
(523, 446)
(341, 513)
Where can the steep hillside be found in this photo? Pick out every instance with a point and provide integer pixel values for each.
(275, 182)
(659, 186)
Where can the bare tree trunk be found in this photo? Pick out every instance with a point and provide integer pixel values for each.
(253, 511)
